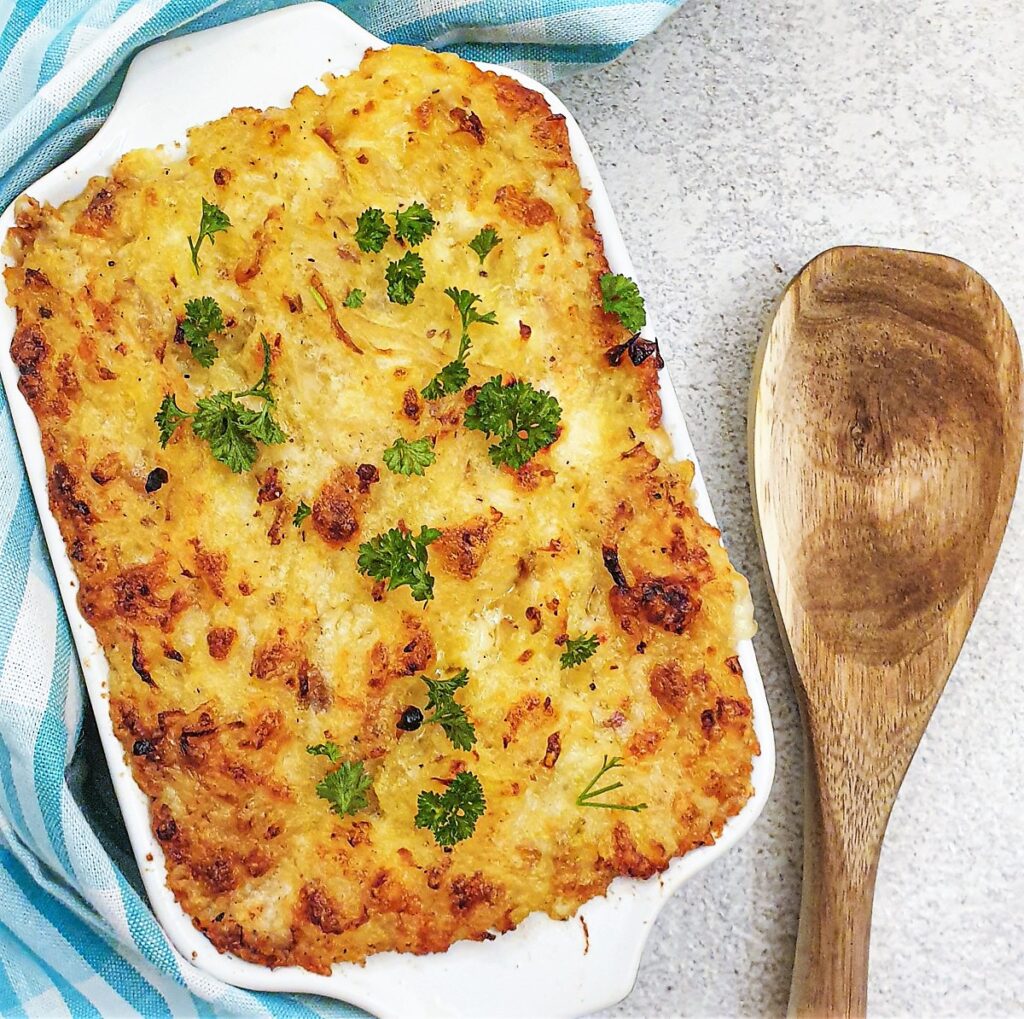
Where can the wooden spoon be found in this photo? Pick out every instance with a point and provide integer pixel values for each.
(885, 441)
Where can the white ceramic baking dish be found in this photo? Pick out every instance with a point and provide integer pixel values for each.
(545, 967)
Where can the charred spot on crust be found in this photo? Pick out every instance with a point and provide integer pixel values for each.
(156, 479)
(29, 349)
(468, 122)
(412, 406)
(270, 486)
(671, 686)
(464, 547)
(610, 556)
(220, 640)
(98, 214)
(639, 350)
(139, 662)
(336, 508)
(666, 602)
(523, 208)
(64, 489)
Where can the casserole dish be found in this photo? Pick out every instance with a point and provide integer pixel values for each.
(576, 966)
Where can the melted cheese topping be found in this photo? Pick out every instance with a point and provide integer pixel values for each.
(235, 640)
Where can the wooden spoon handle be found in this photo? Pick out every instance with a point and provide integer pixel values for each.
(830, 973)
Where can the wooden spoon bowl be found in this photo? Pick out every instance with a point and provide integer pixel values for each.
(885, 442)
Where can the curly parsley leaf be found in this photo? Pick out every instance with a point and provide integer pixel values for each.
(345, 788)
(452, 378)
(371, 230)
(168, 417)
(202, 317)
(414, 224)
(453, 814)
(355, 298)
(447, 713)
(231, 428)
(301, 512)
(485, 242)
(524, 419)
(588, 798)
(400, 558)
(213, 220)
(218, 420)
(621, 296)
(578, 650)
(407, 458)
(404, 276)
(465, 304)
(330, 750)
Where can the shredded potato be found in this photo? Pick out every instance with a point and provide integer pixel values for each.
(236, 639)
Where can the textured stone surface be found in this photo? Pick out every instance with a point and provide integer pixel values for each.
(738, 142)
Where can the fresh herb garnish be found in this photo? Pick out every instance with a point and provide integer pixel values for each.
(212, 221)
(301, 512)
(414, 224)
(449, 714)
(202, 317)
(465, 302)
(578, 650)
(318, 298)
(485, 242)
(588, 798)
(404, 276)
(403, 457)
(355, 298)
(168, 417)
(330, 750)
(525, 420)
(621, 296)
(345, 787)
(371, 230)
(453, 377)
(400, 558)
(452, 815)
(231, 428)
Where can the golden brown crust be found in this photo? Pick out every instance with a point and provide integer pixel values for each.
(235, 640)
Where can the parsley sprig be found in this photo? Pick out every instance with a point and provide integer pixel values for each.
(524, 419)
(355, 298)
(447, 712)
(453, 814)
(400, 558)
(301, 512)
(407, 458)
(345, 787)
(202, 317)
(213, 220)
(230, 427)
(414, 224)
(404, 275)
(372, 230)
(578, 650)
(621, 296)
(485, 242)
(453, 377)
(588, 798)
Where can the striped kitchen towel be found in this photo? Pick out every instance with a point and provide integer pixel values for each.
(76, 934)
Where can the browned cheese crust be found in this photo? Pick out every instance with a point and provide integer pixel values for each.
(235, 640)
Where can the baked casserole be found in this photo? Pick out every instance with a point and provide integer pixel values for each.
(355, 445)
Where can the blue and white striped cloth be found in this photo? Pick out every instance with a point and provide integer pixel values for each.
(76, 935)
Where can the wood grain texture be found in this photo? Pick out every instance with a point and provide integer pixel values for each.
(885, 442)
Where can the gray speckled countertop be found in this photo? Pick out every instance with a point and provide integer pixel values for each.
(736, 143)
